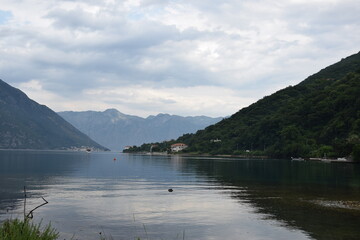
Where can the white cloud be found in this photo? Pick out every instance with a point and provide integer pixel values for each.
(173, 56)
(34, 89)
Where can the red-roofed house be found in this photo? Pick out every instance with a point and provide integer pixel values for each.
(178, 147)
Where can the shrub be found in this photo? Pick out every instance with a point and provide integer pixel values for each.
(16, 229)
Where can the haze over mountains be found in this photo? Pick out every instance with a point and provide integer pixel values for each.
(116, 130)
(25, 124)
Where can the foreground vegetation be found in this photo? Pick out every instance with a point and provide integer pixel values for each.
(16, 229)
(316, 118)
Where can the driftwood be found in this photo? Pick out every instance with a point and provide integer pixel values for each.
(30, 214)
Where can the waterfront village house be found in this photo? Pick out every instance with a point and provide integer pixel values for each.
(178, 147)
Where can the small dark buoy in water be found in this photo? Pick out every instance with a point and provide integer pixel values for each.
(170, 190)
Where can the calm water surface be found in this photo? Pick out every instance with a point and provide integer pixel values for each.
(213, 198)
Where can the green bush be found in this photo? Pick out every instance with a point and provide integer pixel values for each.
(16, 229)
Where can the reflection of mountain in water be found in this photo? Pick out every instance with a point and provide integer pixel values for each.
(285, 191)
(27, 168)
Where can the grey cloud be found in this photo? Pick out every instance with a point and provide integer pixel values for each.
(114, 58)
(260, 45)
(74, 19)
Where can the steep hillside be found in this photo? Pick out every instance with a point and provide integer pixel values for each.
(25, 124)
(320, 116)
(116, 130)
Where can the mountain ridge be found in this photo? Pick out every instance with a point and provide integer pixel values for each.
(317, 117)
(129, 130)
(25, 124)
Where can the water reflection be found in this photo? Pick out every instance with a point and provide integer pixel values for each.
(212, 199)
(34, 170)
(285, 191)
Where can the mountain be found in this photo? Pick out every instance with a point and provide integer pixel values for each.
(116, 130)
(318, 117)
(25, 124)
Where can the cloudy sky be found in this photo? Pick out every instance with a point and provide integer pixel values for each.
(180, 57)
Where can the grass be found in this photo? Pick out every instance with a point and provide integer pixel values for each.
(15, 229)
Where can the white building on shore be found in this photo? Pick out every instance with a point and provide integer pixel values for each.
(178, 147)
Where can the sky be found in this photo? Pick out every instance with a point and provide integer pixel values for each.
(189, 58)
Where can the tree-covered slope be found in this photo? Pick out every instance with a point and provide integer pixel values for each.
(320, 116)
(25, 124)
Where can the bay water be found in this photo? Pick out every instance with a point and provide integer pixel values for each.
(126, 196)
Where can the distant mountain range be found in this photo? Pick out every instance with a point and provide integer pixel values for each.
(116, 130)
(25, 124)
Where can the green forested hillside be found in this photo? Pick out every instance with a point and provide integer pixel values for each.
(320, 116)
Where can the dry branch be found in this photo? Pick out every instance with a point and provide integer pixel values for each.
(30, 214)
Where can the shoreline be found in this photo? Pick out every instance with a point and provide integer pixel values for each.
(199, 155)
(326, 160)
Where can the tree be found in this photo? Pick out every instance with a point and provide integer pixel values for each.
(356, 153)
